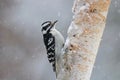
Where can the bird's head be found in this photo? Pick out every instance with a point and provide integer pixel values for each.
(47, 26)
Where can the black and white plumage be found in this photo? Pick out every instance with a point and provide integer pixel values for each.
(53, 41)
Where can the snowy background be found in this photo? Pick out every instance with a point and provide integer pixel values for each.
(22, 52)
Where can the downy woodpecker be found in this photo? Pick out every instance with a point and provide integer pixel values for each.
(53, 41)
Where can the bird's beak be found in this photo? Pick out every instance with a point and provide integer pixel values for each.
(54, 23)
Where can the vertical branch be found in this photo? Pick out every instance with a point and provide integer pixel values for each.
(84, 36)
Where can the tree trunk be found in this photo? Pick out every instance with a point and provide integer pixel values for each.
(84, 36)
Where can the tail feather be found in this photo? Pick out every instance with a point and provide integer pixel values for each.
(54, 66)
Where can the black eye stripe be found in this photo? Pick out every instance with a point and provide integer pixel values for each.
(46, 24)
(45, 27)
(49, 22)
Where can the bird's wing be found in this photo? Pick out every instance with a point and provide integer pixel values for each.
(50, 42)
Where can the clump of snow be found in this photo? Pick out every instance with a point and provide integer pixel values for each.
(74, 29)
(84, 7)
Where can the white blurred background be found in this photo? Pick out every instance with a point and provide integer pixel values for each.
(22, 52)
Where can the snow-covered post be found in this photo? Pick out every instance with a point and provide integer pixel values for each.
(84, 36)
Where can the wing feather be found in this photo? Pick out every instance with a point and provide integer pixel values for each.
(49, 41)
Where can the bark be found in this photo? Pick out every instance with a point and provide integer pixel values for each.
(84, 36)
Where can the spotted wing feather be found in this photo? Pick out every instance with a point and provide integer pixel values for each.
(49, 41)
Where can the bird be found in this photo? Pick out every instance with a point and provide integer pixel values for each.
(53, 41)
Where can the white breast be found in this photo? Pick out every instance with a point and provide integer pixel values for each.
(59, 41)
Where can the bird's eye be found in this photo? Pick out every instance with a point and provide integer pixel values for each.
(42, 29)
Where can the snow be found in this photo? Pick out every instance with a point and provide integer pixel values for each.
(22, 52)
(85, 7)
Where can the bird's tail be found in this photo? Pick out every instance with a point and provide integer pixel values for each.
(54, 67)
